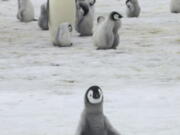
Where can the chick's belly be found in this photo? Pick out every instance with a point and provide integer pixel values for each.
(97, 126)
(96, 130)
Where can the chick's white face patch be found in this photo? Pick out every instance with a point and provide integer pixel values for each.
(116, 17)
(93, 100)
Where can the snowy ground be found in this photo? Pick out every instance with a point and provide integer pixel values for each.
(42, 86)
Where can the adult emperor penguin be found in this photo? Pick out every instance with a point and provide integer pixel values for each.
(106, 34)
(59, 12)
(43, 19)
(175, 6)
(25, 11)
(85, 17)
(93, 121)
(133, 8)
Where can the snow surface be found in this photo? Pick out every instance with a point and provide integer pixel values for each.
(42, 86)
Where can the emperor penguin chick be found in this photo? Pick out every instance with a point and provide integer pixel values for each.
(175, 6)
(25, 11)
(43, 19)
(85, 17)
(133, 8)
(93, 121)
(106, 35)
(63, 36)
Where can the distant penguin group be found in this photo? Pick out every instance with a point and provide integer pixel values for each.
(93, 121)
(60, 17)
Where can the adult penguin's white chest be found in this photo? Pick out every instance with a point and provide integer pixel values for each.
(60, 11)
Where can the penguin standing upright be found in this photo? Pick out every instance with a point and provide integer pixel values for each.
(60, 11)
(43, 19)
(85, 17)
(93, 121)
(106, 35)
(25, 11)
(175, 6)
(133, 8)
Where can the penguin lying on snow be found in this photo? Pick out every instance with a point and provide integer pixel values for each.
(133, 8)
(63, 35)
(106, 34)
(175, 6)
(85, 17)
(43, 19)
(93, 121)
(25, 11)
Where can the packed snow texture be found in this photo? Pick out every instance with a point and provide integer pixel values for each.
(42, 86)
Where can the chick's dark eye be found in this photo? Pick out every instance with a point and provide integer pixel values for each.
(92, 2)
(70, 28)
(90, 94)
